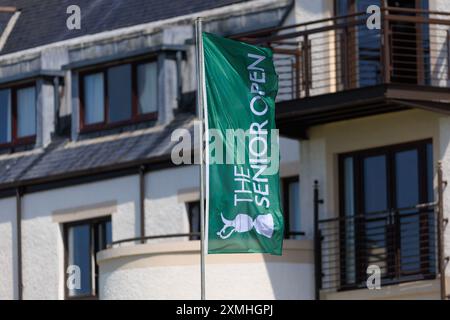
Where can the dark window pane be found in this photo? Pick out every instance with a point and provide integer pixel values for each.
(119, 93)
(430, 197)
(5, 116)
(84, 242)
(94, 103)
(26, 112)
(103, 235)
(407, 189)
(349, 207)
(147, 87)
(108, 232)
(375, 200)
(194, 218)
(79, 254)
(294, 208)
(430, 172)
(391, 232)
(375, 180)
(407, 194)
(342, 7)
(369, 43)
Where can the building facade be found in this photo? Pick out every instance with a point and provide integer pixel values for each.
(88, 187)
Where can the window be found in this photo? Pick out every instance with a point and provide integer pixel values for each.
(408, 43)
(291, 204)
(147, 88)
(82, 242)
(5, 116)
(26, 112)
(379, 193)
(118, 95)
(17, 115)
(94, 98)
(193, 210)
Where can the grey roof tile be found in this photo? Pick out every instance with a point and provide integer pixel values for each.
(96, 154)
(44, 21)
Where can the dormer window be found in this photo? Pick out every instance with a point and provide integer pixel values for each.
(118, 95)
(17, 115)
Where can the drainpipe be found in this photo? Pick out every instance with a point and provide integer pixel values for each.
(19, 194)
(317, 242)
(179, 56)
(57, 102)
(142, 200)
(443, 259)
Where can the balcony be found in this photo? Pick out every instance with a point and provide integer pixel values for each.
(403, 245)
(337, 68)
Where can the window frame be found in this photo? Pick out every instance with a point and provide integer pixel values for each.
(136, 117)
(189, 206)
(358, 155)
(15, 140)
(92, 224)
(286, 181)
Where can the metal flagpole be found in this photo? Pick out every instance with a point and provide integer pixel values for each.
(201, 105)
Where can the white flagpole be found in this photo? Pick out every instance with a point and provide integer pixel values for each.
(201, 106)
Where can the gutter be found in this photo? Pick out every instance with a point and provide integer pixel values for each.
(19, 194)
(27, 76)
(142, 200)
(124, 55)
(85, 176)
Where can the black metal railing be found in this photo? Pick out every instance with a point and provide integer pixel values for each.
(294, 234)
(406, 244)
(401, 242)
(191, 235)
(412, 46)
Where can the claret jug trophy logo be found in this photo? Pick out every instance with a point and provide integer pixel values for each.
(263, 225)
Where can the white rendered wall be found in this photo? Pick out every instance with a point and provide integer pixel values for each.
(165, 209)
(8, 247)
(289, 151)
(444, 153)
(306, 10)
(45, 212)
(319, 154)
(438, 45)
(172, 271)
(42, 244)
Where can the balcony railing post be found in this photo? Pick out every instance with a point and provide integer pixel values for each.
(317, 243)
(345, 59)
(442, 260)
(294, 72)
(306, 62)
(420, 54)
(386, 63)
(297, 73)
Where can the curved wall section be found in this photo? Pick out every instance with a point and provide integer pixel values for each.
(172, 271)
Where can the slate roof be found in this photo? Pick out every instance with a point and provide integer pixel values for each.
(63, 157)
(44, 21)
(4, 19)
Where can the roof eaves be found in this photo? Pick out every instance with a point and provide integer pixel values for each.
(43, 73)
(125, 55)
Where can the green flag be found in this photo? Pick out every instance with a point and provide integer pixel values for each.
(243, 192)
